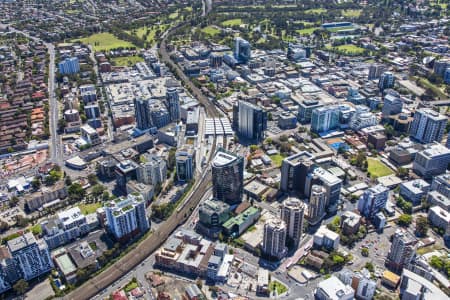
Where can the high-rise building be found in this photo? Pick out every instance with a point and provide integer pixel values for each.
(373, 200)
(362, 118)
(353, 96)
(227, 176)
(215, 60)
(160, 116)
(440, 67)
(305, 109)
(126, 217)
(428, 125)
(447, 144)
(142, 113)
(173, 101)
(242, 50)
(152, 170)
(392, 104)
(31, 257)
(292, 213)
(402, 250)
(274, 241)
(447, 75)
(252, 121)
(375, 71)
(386, 81)
(66, 227)
(294, 170)
(69, 66)
(184, 160)
(317, 204)
(431, 161)
(324, 119)
(329, 181)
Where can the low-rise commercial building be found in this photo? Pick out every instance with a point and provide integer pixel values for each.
(326, 238)
(414, 190)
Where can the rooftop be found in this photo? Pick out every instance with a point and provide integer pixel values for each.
(335, 289)
(241, 218)
(21, 242)
(223, 158)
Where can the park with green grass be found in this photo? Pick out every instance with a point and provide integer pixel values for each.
(105, 41)
(211, 30)
(232, 22)
(377, 169)
(148, 33)
(347, 49)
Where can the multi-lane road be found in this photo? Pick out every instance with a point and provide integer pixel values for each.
(56, 151)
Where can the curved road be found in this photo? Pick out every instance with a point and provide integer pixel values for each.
(145, 248)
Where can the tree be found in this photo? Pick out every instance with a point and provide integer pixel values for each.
(421, 226)
(20, 287)
(365, 252)
(76, 192)
(22, 221)
(97, 190)
(92, 178)
(36, 183)
(13, 201)
(404, 220)
(369, 266)
(3, 226)
(437, 262)
(402, 172)
(253, 148)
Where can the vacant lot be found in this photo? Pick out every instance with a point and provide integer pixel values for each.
(105, 41)
(126, 61)
(377, 169)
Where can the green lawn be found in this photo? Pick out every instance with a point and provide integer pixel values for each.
(350, 49)
(316, 11)
(232, 22)
(211, 30)
(148, 33)
(277, 159)
(305, 23)
(377, 169)
(351, 13)
(36, 229)
(336, 29)
(89, 208)
(131, 285)
(307, 31)
(425, 83)
(173, 16)
(126, 61)
(105, 41)
(281, 288)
